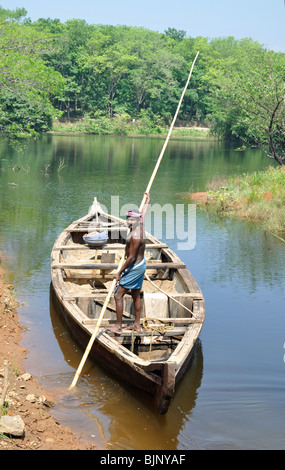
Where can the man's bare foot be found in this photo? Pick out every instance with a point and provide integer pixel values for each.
(134, 327)
(115, 329)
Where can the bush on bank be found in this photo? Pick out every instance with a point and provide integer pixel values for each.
(122, 124)
(259, 196)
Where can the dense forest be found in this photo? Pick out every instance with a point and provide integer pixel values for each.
(51, 70)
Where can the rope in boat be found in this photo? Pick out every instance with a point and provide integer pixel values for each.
(133, 341)
(162, 328)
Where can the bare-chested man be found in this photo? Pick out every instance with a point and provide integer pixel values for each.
(131, 274)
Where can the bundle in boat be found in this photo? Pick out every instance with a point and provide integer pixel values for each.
(96, 238)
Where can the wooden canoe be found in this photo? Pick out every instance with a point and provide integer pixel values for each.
(173, 307)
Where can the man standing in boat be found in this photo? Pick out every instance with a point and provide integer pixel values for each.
(131, 275)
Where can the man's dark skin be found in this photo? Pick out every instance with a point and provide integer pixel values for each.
(134, 253)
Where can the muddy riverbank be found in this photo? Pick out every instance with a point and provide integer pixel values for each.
(24, 396)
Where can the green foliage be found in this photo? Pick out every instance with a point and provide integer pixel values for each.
(121, 123)
(97, 72)
(247, 95)
(259, 196)
(15, 15)
(26, 83)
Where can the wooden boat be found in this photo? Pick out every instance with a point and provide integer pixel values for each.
(173, 307)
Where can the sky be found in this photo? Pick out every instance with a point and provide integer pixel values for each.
(261, 20)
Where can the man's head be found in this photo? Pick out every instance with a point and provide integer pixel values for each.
(133, 217)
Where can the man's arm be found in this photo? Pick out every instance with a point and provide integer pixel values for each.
(144, 211)
(146, 206)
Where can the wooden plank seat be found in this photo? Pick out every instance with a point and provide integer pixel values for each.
(102, 294)
(111, 266)
(178, 322)
(177, 331)
(108, 246)
(83, 229)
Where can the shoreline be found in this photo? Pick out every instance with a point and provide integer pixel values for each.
(177, 132)
(24, 397)
(235, 210)
(257, 197)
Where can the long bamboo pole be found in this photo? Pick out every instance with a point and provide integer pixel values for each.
(169, 134)
(113, 285)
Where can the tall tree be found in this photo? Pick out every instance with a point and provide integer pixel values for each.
(69, 39)
(15, 15)
(107, 56)
(154, 62)
(26, 84)
(248, 96)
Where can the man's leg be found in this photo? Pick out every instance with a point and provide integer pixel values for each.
(137, 304)
(119, 295)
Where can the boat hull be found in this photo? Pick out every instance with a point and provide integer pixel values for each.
(156, 377)
(104, 357)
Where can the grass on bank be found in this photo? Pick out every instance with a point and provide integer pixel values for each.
(122, 124)
(259, 196)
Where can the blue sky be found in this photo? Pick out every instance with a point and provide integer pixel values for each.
(262, 20)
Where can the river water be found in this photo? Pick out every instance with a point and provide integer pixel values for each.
(233, 394)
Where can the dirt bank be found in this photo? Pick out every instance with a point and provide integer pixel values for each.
(24, 397)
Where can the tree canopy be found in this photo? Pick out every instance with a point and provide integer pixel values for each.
(76, 70)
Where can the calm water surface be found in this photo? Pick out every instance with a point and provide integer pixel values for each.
(232, 396)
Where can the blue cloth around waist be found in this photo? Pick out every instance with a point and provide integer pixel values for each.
(133, 276)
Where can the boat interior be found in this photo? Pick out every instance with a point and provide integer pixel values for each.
(166, 301)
